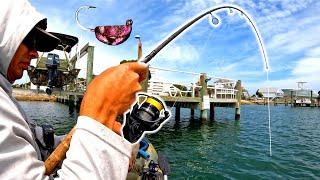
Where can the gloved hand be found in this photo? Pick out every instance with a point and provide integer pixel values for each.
(112, 93)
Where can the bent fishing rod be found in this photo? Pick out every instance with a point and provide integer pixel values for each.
(59, 153)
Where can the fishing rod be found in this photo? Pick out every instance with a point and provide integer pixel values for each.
(263, 52)
(167, 40)
(59, 153)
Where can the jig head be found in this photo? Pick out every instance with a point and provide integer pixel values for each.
(108, 34)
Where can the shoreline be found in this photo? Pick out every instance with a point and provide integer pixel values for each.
(32, 95)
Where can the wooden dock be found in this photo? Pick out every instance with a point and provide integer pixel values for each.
(203, 93)
(200, 96)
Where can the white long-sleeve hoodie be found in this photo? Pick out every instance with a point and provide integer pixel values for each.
(95, 151)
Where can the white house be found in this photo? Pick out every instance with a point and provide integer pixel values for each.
(273, 92)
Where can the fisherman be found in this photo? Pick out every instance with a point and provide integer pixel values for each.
(96, 150)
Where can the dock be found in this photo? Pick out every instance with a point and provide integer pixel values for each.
(204, 94)
(199, 91)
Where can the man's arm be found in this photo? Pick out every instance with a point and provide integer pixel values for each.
(96, 152)
(18, 155)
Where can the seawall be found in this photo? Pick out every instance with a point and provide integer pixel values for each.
(32, 95)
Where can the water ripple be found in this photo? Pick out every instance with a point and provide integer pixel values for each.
(225, 149)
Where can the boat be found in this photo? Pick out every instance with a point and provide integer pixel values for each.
(53, 71)
(302, 96)
(148, 164)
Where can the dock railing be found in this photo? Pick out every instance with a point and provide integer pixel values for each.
(217, 87)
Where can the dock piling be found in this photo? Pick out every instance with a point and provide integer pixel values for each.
(291, 98)
(204, 96)
(192, 113)
(177, 118)
(90, 64)
(238, 97)
(212, 111)
(311, 99)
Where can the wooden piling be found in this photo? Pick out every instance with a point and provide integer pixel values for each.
(204, 97)
(177, 118)
(144, 83)
(90, 51)
(75, 100)
(238, 97)
(192, 113)
(291, 96)
(139, 49)
(311, 99)
(79, 103)
(212, 111)
(71, 102)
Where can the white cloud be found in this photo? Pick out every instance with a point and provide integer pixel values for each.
(314, 52)
(222, 67)
(297, 39)
(179, 53)
(307, 67)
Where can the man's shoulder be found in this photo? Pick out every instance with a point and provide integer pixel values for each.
(5, 98)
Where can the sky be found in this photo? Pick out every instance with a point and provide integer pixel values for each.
(289, 28)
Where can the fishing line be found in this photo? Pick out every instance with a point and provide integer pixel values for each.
(269, 117)
(188, 24)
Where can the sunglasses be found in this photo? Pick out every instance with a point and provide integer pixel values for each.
(30, 40)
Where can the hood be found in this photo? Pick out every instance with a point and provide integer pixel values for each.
(17, 18)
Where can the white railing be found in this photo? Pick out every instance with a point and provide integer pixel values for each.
(221, 88)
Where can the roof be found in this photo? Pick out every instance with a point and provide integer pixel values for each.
(271, 90)
(67, 41)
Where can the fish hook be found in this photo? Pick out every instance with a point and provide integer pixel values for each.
(77, 18)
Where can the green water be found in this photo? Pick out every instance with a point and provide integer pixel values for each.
(225, 149)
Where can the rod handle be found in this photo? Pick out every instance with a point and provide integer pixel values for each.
(58, 154)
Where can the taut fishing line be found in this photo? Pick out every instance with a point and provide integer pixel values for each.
(216, 22)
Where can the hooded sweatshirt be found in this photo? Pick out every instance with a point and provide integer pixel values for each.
(95, 151)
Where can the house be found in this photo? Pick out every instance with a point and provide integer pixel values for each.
(273, 92)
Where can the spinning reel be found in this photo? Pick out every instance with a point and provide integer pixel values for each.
(148, 117)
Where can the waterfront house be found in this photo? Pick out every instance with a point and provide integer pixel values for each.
(273, 92)
(301, 96)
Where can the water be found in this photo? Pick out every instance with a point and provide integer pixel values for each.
(226, 149)
(56, 114)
